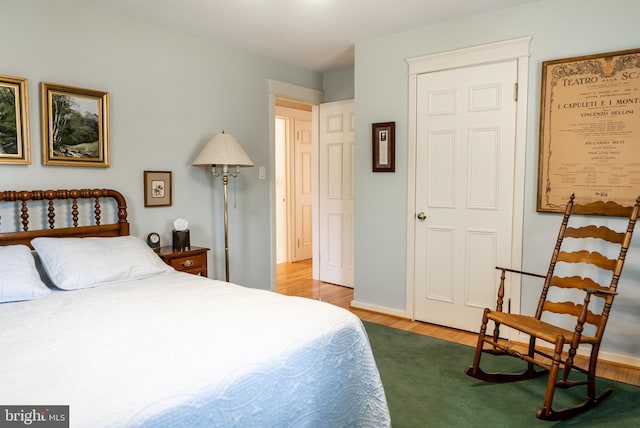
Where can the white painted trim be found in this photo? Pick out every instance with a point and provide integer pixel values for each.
(379, 309)
(315, 190)
(411, 199)
(493, 52)
(519, 181)
(516, 49)
(618, 358)
(296, 93)
(523, 339)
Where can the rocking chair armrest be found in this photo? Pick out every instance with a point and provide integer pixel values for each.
(598, 291)
(504, 269)
(501, 288)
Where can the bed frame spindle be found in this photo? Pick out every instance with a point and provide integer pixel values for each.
(51, 214)
(24, 216)
(74, 212)
(97, 211)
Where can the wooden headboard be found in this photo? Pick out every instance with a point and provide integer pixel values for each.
(77, 202)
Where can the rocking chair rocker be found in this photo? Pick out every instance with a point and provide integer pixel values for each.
(566, 257)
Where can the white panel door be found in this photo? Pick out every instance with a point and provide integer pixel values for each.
(464, 187)
(336, 146)
(303, 175)
(294, 182)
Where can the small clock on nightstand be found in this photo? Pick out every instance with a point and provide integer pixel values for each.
(153, 240)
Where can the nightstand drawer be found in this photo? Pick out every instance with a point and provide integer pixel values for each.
(192, 261)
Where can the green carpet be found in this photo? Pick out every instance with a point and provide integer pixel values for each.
(426, 386)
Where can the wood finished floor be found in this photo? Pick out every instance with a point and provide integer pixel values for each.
(294, 279)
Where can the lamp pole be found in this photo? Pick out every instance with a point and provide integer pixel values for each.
(225, 174)
(225, 182)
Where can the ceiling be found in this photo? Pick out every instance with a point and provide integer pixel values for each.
(314, 34)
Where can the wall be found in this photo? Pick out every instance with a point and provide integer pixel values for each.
(169, 93)
(559, 29)
(338, 84)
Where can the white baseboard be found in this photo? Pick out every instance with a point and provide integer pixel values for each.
(381, 309)
(619, 359)
(628, 360)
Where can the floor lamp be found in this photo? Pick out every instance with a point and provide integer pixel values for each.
(225, 156)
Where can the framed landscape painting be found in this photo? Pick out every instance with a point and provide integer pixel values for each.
(75, 126)
(14, 121)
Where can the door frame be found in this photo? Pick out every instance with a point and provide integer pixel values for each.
(515, 49)
(278, 89)
(286, 210)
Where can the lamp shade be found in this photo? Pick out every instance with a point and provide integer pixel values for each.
(222, 149)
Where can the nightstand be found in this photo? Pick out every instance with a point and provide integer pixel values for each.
(190, 261)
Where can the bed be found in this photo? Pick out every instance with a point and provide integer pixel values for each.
(93, 319)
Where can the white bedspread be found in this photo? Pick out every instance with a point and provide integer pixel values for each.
(180, 350)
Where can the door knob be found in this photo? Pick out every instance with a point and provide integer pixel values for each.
(421, 215)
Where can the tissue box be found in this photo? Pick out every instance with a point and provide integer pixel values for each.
(181, 240)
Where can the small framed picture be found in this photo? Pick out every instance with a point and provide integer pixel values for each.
(157, 188)
(14, 121)
(75, 126)
(384, 146)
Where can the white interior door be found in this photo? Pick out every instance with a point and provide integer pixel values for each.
(465, 148)
(336, 146)
(294, 183)
(303, 189)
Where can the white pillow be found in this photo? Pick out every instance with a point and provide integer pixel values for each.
(42, 272)
(19, 279)
(74, 263)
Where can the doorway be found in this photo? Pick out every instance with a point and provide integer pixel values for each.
(294, 187)
(304, 96)
(329, 124)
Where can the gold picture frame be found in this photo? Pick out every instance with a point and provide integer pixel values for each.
(15, 147)
(589, 130)
(383, 146)
(157, 188)
(75, 126)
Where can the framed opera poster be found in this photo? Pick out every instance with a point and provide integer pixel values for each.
(589, 130)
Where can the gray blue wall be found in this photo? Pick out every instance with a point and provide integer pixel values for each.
(338, 84)
(169, 93)
(559, 29)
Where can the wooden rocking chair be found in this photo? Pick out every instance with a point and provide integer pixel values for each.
(568, 257)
